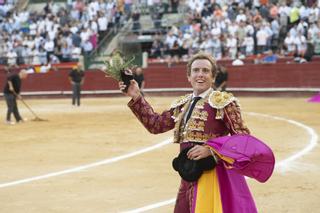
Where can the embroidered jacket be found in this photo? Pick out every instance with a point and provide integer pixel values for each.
(216, 115)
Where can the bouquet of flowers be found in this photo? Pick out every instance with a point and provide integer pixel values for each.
(118, 69)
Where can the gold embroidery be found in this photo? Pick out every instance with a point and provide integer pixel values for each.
(236, 123)
(197, 137)
(181, 100)
(179, 123)
(175, 114)
(200, 104)
(219, 100)
(201, 115)
(219, 114)
(233, 116)
(195, 125)
(193, 131)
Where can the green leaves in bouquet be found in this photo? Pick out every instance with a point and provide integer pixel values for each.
(116, 65)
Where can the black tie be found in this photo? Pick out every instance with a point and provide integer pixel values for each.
(195, 100)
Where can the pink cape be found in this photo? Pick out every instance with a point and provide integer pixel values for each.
(252, 157)
(241, 155)
(315, 98)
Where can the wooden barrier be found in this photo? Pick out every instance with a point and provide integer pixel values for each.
(160, 76)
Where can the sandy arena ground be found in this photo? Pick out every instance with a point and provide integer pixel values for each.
(40, 162)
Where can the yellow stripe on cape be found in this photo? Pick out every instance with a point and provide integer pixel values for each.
(208, 198)
(228, 160)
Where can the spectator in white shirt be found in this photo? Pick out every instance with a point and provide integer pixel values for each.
(262, 39)
(85, 34)
(248, 43)
(232, 28)
(314, 14)
(207, 45)
(49, 48)
(249, 28)
(289, 44)
(302, 27)
(170, 39)
(75, 53)
(92, 24)
(304, 12)
(241, 34)
(87, 47)
(217, 47)
(102, 25)
(43, 55)
(65, 52)
(49, 23)
(38, 40)
(32, 28)
(241, 17)
(313, 31)
(11, 57)
(268, 30)
(35, 56)
(215, 31)
(29, 42)
(232, 46)
(301, 44)
(283, 12)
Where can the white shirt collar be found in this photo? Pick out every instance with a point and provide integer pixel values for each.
(202, 95)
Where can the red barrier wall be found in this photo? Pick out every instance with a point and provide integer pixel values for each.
(160, 76)
(263, 75)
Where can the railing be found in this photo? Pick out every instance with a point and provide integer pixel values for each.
(159, 25)
(44, 1)
(93, 57)
(21, 4)
(35, 60)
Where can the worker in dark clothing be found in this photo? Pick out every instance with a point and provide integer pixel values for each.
(139, 77)
(220, 82)
(11, 92)
(76, 78)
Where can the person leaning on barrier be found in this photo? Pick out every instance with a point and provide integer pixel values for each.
(211, 182)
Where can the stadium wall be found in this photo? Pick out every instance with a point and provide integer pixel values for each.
(159, 78)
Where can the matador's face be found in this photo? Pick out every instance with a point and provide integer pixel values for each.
(201, 77)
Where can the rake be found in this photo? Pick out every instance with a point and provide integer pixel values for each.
(36, 117)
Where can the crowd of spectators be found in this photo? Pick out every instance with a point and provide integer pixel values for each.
(57, 32)
(233, 29)
(243, 28)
